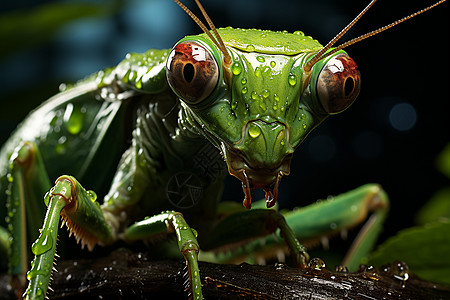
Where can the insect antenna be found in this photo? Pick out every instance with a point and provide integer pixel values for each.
(217, 40)
(321, 54)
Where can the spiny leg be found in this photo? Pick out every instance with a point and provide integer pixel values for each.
(28, 181)
(168, 222)
(247, 225)
(366, 205)
(321, 220)
(83, 217)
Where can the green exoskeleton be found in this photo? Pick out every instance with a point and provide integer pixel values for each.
(168, 123)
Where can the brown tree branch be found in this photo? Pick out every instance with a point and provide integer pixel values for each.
(125, 274)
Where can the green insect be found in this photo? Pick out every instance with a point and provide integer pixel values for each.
(168, 124)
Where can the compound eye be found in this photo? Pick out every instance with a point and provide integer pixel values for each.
(338, 84)
(192, 72)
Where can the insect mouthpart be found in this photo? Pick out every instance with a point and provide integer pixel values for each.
(267, 179)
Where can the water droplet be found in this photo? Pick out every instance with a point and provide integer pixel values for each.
(263, 106)
(250, 48)
(400, 270)
(265, 93)
(254, 96)
(272, 64)
(62, 140)
(236, 68)
(74, 118)
(257, 72)
(254, 131)
(274, 107)
(276, 97)
(42, 244)
(125, 77)
(341, 269)
(133, 76)
(92, 195)
(139, 83)
(260, 58)
(298, 32)
(234, 105)
(292, 79)
(244, 90)
(316, 264)
(243, 80)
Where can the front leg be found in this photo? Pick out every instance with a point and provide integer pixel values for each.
(83, 217)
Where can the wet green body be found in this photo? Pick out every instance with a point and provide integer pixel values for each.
(146, 151)
(84, 130)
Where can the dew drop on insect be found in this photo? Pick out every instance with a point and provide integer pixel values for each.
(233, 105)
(42, 244)
(126, 76)
(274, 107)
(133, 76)
(244, 80)
(74, 118)
(260, 58)
(265, 93)
(254, 131)
(263, 106)
(298, 32)
(276, 97)
(244, 90)
(254, 96)
(92, 195)
(292, 79)
(250, 48)
(139, 83)
(257, 72)
(236, 68)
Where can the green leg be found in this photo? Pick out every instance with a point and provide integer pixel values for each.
(169, 222)
(368, 203)
(28, 182)
(82, 215)
(250, 224)
(311, 224)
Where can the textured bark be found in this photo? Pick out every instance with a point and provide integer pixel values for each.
(124, 275)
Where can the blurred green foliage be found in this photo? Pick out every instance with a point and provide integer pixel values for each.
(425, 248)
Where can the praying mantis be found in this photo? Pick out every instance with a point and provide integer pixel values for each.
(246, 140)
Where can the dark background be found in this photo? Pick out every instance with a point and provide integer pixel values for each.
(391, 135)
